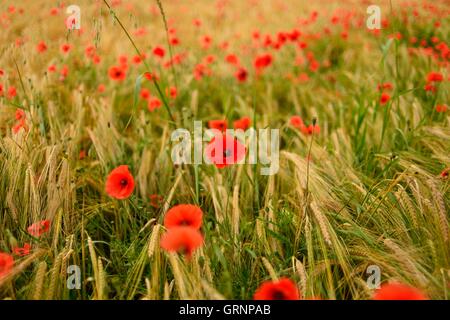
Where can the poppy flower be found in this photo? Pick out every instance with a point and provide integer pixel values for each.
(39, 228)
(297, 122)
(12, 92)
(117, 73)
(159, 52)
(435, 77)
(241, 74)
(82, 154)
(20, 114)
(150, 76)
(444, 173)
(429, 87)
(154, 103)
(385, 86)
(312, 128)
(41, 47)
(120, 183)
(101, 88)
(172, 92)
(21, 124)
(145, 93)
(232, 59)
(51, 68)
(174, 41)
(183, 240)
(218, 124)
(65, 48)
(156, 200)
(384, 98)
(441, 108)
(263, 61)
(184, 215)
(284, 289)
(89, 51)
(398, 291)
(206, 41)
(243, 123)
(21, 252)
(224, 150)
(6, 263)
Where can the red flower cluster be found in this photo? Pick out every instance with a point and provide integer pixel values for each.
(183, 223)
(297, 122)
(39, 228)
(221, 125)
(432, 79)
(20, 121)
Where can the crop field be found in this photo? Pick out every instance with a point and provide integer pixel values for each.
(224, 149)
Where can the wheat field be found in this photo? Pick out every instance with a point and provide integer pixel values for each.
(364, 147)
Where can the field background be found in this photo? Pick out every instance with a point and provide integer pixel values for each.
(366, 190)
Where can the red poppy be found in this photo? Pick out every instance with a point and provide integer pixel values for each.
(398, 291)
(441, 108)
(232, 59)
(429, 87)
(6, 263)
(241, 74)
(65, 48)
(435, 77)
(82, 154)
(117, 73)
(159, 51)
(243, 123)
(145, 93)
(150, 76)
(182, 240)
(21, 124)
(224, 150)
(39, 228)
(89, 51)
(218, 124)
(263, 61)
(21, 252)
(101, 88)
(297, 122)
(385, 86)
(12, 92)
(284, 289)
(20, 114)
(172, 92)
(154, 103)
(51, 68)
(120, 183)
(310, 129)
(123, 60)
(206, 41)
(41, 46)
(156, 200)
(384, 98)
(184, 215)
